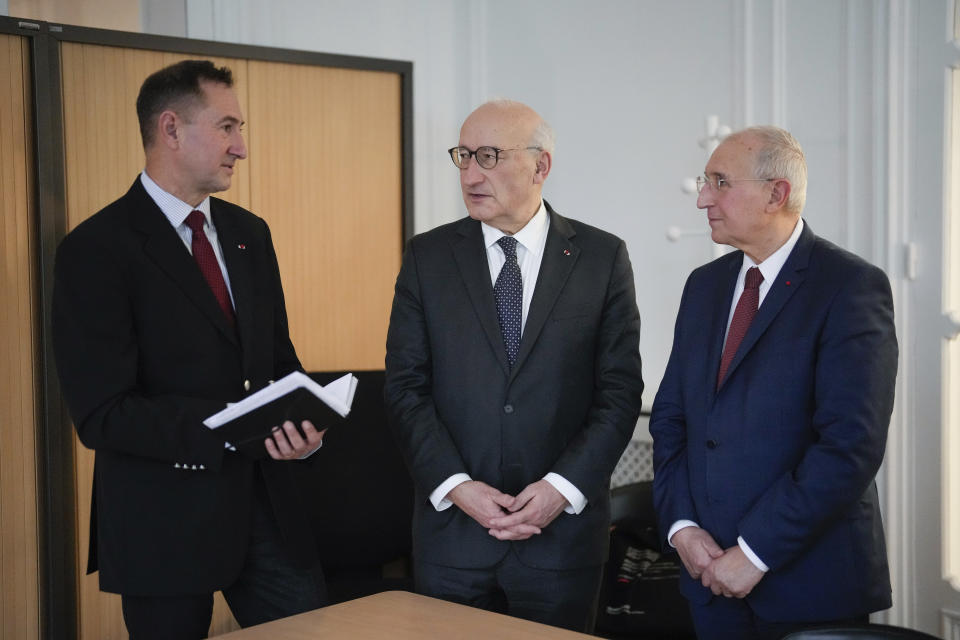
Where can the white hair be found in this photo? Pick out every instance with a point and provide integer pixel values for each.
(780, 156)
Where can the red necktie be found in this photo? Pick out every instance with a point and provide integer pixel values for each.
(207, 261)
(742, 317)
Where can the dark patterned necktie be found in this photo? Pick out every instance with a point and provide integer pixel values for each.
(207, 261)
(508, 292)
(742, 317)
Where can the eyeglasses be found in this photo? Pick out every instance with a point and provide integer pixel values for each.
(718, 183)
(487, 157)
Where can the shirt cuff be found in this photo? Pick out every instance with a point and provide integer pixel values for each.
(310, 453)
(754, 558)
(679, 524)
(439, 496)
(578, 501)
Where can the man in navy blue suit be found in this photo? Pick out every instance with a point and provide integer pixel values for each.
(771, 420)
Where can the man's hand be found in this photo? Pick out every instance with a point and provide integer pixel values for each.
(731, 575)
(697, 550)
(480, 501)
(533, 509)
(287, 444)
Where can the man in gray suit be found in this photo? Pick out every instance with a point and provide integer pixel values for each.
(513, 383)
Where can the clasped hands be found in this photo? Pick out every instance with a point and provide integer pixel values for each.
(509, 517)
(286, 442)
(725, 572)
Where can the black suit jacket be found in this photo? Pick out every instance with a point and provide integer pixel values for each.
(144, 354)
(785, 452)
(569, 405)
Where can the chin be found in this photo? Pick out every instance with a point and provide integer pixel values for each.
(479, 213)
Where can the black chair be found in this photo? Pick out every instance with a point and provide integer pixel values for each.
(640, 596)
(362, 498)
(859, 632)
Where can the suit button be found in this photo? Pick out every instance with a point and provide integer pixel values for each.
(508, 408)
(246, 385)
(711, 444)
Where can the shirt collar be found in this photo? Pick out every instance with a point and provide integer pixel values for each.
(772, 265)
(175, 209)
(530, 237)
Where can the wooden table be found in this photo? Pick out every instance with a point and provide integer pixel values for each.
(399, 615)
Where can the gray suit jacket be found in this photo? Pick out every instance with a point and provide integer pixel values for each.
(569, 405)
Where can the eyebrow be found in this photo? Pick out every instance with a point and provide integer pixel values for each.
(231, 119)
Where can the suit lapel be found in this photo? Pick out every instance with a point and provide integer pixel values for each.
(165, 249)
(559, 257)
(788, 281)
(470, 255)
(237, 261)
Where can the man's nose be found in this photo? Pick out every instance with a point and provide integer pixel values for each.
(705, 197)
(238, 147)
(471, 174)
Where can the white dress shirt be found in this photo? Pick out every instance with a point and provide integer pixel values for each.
(176, 211)
(531, 240)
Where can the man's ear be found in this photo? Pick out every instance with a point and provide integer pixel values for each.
(779, 194)
(168, 129)
(544, 163)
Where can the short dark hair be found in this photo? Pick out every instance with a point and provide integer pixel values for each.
(176, 86)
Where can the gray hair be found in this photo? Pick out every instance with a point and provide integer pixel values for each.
(780, 156)
(543, 135)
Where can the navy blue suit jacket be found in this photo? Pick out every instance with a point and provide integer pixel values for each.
(785, 452)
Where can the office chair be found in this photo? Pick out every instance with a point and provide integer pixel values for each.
(640, 596)
(361, 498)
(859, 632)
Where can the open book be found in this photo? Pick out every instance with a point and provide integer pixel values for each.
(294, 397)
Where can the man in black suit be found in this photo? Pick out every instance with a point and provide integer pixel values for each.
(513, 383)
(167, 306)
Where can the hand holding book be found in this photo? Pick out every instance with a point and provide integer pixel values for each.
(295, 398)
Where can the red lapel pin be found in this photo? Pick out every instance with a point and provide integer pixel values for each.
(566, 252)
(243, 246)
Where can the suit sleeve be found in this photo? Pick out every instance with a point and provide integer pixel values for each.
(854, 379)
(668, 427)
(591, 456)
(428, 449)
(96, 347)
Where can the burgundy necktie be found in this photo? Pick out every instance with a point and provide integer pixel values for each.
(207, 261)
(742, 317)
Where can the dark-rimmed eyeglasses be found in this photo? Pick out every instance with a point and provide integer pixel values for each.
(487, 157)
(717, 183)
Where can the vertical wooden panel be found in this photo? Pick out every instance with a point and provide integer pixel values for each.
(326, 161)
(103, 14)
(104, 154)
(19, 560)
